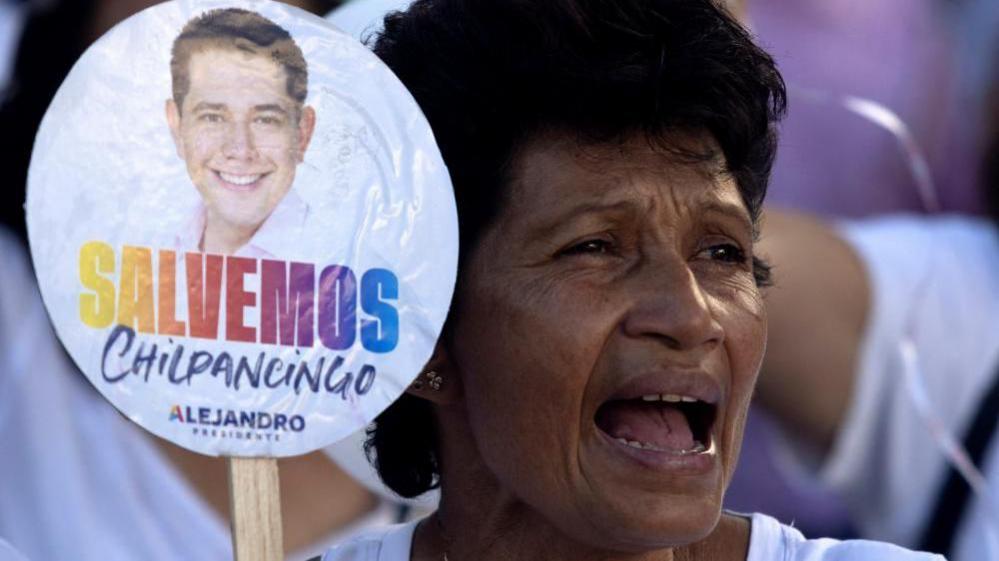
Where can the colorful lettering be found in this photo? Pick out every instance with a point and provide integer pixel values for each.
(287, 299)
(97, 308)
(135, 296)
(381, 334)
(169, 324)
(204, 287)
(176, 414)
(237, 299)
(337, 307)
(294, 309)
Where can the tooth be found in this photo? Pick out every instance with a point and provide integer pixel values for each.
(239, 179)
(621, 440)
(671, 397)
(687, 399)
(650, 397)
(635, 444)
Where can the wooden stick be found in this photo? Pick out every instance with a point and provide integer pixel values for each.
(255, 508)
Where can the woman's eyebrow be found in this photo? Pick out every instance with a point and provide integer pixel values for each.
(731, 211)
(543, 228)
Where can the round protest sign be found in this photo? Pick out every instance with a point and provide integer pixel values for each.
(242, 227)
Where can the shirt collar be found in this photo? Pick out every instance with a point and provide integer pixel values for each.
(284, 225)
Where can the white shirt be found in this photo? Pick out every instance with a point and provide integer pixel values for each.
(936, 280)
(78, 482)
(275, 238)
(769, 540)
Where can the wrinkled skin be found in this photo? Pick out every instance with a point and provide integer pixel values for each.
(606, 263)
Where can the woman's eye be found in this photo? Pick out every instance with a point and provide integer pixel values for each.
(588, 247)
(728, 253)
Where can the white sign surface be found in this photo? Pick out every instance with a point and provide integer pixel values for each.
(242, 227)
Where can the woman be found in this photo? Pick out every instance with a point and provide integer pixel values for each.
(587, 398)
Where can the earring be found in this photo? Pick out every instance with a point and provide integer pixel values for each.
(434, 380)
(431, 378)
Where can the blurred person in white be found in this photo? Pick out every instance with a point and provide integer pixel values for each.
(847, 298)
(923, 60)
(78, 481)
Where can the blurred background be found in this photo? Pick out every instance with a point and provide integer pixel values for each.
(878, 89)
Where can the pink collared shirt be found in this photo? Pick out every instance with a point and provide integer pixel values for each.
(284, 225)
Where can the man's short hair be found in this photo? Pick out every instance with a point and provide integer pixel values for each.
(240, 30)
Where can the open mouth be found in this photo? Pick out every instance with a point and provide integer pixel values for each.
(672, 424)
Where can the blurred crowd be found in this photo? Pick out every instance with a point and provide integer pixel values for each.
(886, 255)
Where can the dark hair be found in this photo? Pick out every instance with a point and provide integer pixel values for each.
(243, 30)
(490, 76)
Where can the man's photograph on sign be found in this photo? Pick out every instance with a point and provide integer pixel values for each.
(239, 121)
(262, 269)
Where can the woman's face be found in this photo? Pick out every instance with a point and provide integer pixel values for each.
(608, 336)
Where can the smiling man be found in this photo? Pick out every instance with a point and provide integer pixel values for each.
(239, 121)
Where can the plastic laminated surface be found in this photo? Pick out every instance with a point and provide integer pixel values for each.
(251, 254)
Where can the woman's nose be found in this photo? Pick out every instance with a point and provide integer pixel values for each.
(239, 142)
(672, 308)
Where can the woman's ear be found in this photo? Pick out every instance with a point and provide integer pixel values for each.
(438, 382)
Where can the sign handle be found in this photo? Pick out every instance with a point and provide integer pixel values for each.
(255, 509)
